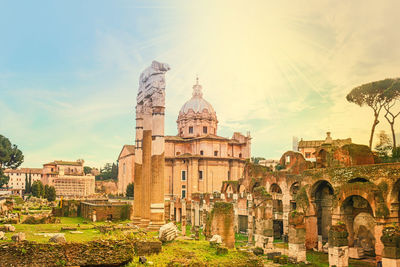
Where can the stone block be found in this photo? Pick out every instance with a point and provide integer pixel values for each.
(18, 237)
(168, 232)
(297, 252)
(391, 252)
(386, 262)
(59, 238)
(339, 256)
(356, 253)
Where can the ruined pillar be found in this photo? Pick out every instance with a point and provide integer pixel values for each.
(172, 210)
(391, 251)
(157, 164)
(146, 163)
(197, 214)
(149, 157)
(138, 188)
(236, 212)
(297, 237)
(222, 223)
(250, 226)
(338, 246)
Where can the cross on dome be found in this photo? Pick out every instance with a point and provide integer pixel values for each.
(197, 89)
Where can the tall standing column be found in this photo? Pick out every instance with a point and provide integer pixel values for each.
(138, 188)
(146, 167)
(157, 166)
(151, 99)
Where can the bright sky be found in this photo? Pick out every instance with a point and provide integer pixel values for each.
(69, 69)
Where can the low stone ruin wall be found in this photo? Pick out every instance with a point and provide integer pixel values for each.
(93, 253)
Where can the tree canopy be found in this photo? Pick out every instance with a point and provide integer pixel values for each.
(130, 190)
(374, 95)
(10, 157)
(108, 172)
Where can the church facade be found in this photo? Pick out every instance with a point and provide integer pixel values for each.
(197, 159)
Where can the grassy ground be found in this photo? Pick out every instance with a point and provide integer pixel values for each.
(319, 259)
(190, 253)
(89, 233)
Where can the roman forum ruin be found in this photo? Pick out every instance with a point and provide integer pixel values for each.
(312, 198)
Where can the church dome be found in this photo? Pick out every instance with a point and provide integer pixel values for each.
(197, 117)
(197, 103)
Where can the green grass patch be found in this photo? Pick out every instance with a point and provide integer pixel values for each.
(85, 226)
(190, 253)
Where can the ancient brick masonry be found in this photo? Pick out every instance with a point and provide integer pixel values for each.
(149, 153)
(222, 223)
(93, 253)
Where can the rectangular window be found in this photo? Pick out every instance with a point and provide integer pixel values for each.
(201, 152)
(287, 159)
(190, 129)
(183, 176)
(308, 154)
(200, 175)
(229, 175)
(204, 129)
(183, 193)
(215, 153)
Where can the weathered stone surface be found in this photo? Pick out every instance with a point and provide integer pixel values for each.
(93, 253)
(147, 247)
(168, 232)
(7, 228)
(18, 237)
(59, 238)
(2, 235)
(339, 256)
(216, 239)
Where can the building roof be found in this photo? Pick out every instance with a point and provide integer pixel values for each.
(129, 148)
(61, 162)
(203, 137)
(318, 143)
(25, 170)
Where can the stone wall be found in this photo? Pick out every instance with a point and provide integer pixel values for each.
(222, 223)
(106, 211)
(93, 253)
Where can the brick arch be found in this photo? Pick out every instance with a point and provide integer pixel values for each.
(354, 191)
(275, 188)
(226, 186)
(315, 186)
(394, 192)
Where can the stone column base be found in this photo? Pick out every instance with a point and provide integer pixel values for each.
(386, 262)
(155, 225)
(297, 252)
(144, 223)
(136, 220)
(338, 256)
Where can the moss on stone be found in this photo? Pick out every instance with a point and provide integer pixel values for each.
(301, 198)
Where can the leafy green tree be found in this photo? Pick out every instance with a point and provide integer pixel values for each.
(26, 184)
(30, 183)
(10, 157)
(256, 160)
(384, 145)
(392, 95)
(38, 189)
(114, 172)
(87, 170)
(108, 172)
(371, 95)
(130, 190)
(51, 193)
(46, 191)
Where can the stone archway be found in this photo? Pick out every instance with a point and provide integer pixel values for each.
(356, 212)
(394, 200)
(322, 197)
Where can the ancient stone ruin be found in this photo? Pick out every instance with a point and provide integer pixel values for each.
(149, 149)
